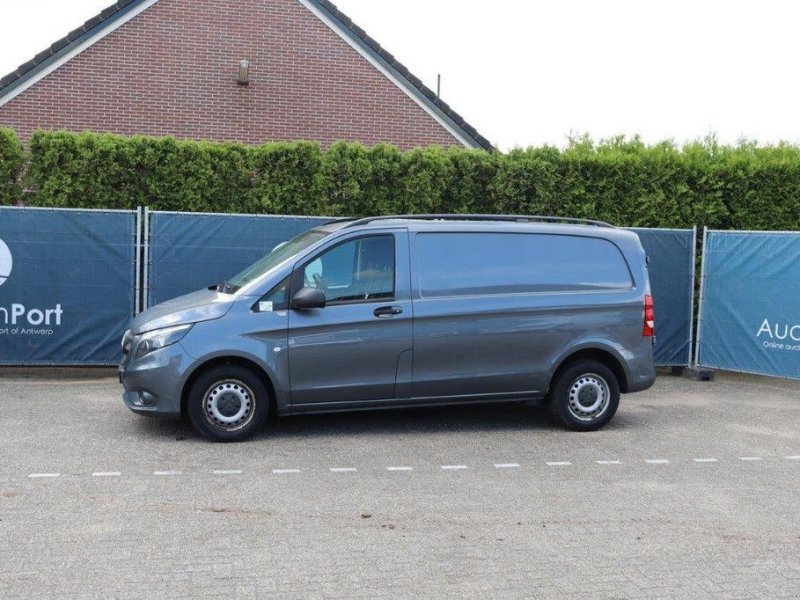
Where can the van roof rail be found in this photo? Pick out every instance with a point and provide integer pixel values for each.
(470, 217)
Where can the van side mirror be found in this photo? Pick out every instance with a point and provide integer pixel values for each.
(307, 298)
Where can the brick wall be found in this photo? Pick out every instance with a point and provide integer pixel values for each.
(172, 71)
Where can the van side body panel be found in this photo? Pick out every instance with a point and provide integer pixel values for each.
(512, 343)
(509, 344)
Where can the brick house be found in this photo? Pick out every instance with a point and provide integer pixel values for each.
(173, 67)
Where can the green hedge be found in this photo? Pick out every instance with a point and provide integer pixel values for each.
(622, 181)
(12, 162)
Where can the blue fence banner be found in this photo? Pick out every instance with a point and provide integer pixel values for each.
(671, 254)
(748, 318)
(191, 251)
(67, 280)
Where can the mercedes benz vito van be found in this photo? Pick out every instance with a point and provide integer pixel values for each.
(401, 311)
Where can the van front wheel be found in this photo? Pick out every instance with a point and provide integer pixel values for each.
(228, 403)
(584, 396)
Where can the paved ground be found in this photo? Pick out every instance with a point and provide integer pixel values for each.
(693, 490)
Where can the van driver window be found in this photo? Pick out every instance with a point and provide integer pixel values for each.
(358, 270)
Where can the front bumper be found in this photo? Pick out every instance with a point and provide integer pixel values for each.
(153, 383)
(139, 404)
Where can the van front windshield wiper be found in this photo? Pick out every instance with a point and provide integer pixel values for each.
(226, 288)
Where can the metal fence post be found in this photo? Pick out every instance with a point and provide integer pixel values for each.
(700, 297)
(691, 293)
(146, 254)
(137, 302)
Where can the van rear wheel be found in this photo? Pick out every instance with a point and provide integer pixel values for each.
(584, 395)
(228, 403)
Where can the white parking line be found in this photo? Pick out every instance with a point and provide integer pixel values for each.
(453, 467)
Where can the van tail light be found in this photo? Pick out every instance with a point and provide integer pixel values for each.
(649, 317)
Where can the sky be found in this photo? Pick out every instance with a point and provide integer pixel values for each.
(531, 72)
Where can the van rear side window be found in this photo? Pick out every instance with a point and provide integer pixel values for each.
(470, 264)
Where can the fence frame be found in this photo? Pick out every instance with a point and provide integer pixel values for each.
(137, 301)
(135, 266)
(692, 349)
(700, 299)
(706, 231)
(146, 259)
(691, 292)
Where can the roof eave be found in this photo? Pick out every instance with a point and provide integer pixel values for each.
(32, 71)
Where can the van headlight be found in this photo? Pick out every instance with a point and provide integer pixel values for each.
(127, 340)
(160, 338)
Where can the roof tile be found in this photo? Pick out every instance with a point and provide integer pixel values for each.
(373, 43)
(43, 56)
(92, 23)
(469, 128)
(430, 94)
(76, 33)
(401, 68)
(109, 11)
(25, 67)
(58, 45)
(416, 81)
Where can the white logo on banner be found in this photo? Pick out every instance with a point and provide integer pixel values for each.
(781, 335)
(6, 262)
(17, 316)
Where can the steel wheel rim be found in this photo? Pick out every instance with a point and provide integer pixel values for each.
(589, 396)
(229, 405)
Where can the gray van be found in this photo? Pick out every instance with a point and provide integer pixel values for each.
(399, 311)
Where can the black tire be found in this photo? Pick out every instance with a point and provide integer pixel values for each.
(228, 403)
(577, 388)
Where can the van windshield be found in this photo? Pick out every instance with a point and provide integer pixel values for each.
(279, 254)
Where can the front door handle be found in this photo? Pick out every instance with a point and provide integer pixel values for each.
(387, 311)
